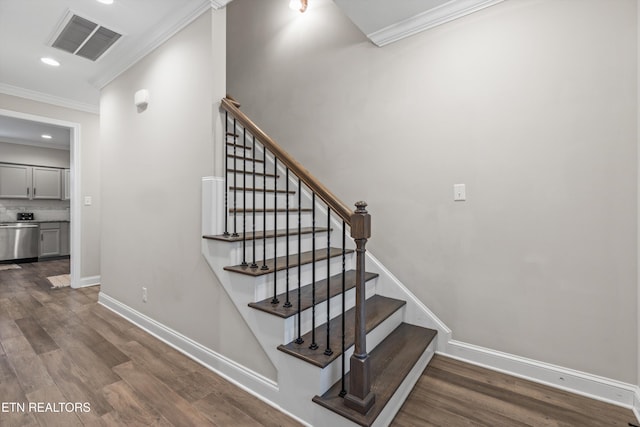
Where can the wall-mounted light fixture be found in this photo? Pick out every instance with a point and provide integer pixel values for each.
(299, 5)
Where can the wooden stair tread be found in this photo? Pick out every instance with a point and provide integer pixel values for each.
(280, 263)
(379, 308)
(269, 234)
(249, 159)
(335, 288)
(261, 190)
(391, 361)
(250, 172)
(283, 210)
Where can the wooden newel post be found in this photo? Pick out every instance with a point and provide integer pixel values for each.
(360, 397)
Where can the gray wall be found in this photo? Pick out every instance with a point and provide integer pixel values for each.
(152, 166)
(90, 165)
(530, 103)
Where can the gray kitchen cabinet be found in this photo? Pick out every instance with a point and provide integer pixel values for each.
(49, 239)
(15, 181)
(65, 244)
(30, 182)
(46, 183)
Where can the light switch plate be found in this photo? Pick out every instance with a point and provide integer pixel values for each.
(87, 200)
(459, 192)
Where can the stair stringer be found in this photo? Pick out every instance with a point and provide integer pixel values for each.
(417, 312)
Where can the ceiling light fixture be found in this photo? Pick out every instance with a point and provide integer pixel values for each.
(106, 1)
(50, 61)
(299, 5)
(46, 136)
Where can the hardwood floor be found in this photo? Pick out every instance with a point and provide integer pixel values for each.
(59, 345)
(453, 393)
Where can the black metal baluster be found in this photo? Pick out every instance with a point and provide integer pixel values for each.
(264, 206)
(275, 300)
(235, 176)
(314, 345)
(226, 175)
(328, 351)
(244, 199)
(343, 390)
(299, 340)
(253, 205)
(287, 303)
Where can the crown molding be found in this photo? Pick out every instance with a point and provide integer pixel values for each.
(48, 99)
(219, 4)
(437, 16)
(154, 40)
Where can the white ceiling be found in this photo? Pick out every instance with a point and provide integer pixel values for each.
(26, 27)
(27, 132)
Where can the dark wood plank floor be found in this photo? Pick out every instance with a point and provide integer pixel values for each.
(61, 346)
(452, 393)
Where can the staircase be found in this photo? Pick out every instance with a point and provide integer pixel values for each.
(347, 339)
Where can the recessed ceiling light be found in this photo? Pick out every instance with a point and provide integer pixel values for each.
(46, 136)
(106, 1)
(50, 61)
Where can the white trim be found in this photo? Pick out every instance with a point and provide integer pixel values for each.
(636, 404)
(431, 18)
(219, 4)
(213, 194)
(48, 99)
(75, 205)
(88, 281)
(250, 381)
(582, 383)
(75, 189)
(151, 43)
(442, 328)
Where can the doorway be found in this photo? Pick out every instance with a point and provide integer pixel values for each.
(75, 211)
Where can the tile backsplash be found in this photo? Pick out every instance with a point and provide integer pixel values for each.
(43, 210)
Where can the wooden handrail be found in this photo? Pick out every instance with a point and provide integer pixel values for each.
(339, 207)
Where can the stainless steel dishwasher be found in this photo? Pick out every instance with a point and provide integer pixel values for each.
(19, 241)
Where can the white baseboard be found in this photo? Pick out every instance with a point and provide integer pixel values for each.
(588, 385)
(87, 281)
(636, 403)
(250, 381)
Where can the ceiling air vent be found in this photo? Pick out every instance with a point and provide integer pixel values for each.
(85, 38)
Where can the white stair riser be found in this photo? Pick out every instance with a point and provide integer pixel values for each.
(264, 286)
(306, 220)
(245, 200)
(246, 179)
(246, 165)
(306, 244)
